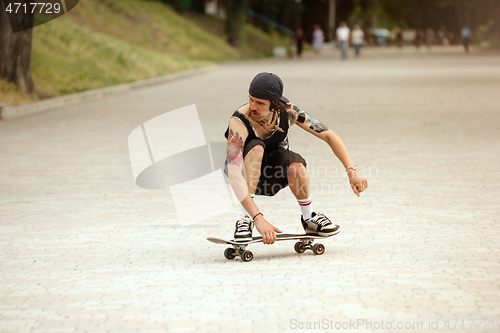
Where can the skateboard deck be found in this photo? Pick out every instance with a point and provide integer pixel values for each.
(239, 248)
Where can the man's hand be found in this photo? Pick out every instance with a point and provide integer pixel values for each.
(358, 183)
(266, 229)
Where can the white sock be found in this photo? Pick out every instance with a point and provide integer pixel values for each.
(306, 207)
(243, 211)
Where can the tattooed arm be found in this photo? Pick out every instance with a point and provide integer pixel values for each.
(235, 166)
(298, 116)
(236, 173)
(317, 128)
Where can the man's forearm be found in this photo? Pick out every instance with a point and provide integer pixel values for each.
(240, 187)
(250, 206)
(358, 183)
(338, 148)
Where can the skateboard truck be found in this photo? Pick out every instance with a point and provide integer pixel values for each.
(231, 253)
(306, 244)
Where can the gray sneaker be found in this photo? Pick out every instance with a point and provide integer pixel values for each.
(320, 225)
(243, 229)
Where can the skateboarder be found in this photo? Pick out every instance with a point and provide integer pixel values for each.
(260, 163)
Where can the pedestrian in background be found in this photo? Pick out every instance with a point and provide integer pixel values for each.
(369, 37)
(399, 38)
(419, 36)
(429, 38)
(446, 40)
(466, 34)
(299, 41)
(342, 39)
(318, 39)
(450, 37)
(357, 37)
(441, 37)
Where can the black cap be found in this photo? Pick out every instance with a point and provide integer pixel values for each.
(267, 86)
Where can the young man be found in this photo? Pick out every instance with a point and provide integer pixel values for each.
(342, 39)
(260, 163)
(466, 34)
(358, 38)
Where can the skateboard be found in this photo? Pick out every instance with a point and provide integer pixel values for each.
(305, 242)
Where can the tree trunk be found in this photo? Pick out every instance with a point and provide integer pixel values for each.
(331, 20)
(298, 16)
(235, 18)
(177, 6)
(198, 6)
(496, 22)
(15, 53)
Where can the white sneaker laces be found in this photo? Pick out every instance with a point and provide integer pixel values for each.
(243, 225)
(321, 219)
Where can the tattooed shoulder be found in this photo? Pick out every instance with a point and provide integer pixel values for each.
(292, 113)
(304, 118)
(292, 116)
(235, 137)
(300, 114)
(234, 147)
(316, 125)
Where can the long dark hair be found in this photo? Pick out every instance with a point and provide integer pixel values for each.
(278, 105)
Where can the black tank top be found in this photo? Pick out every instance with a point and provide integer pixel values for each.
(276, 140)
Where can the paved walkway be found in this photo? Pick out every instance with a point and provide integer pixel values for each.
(84, 249)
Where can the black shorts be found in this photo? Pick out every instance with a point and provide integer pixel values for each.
(274, 168)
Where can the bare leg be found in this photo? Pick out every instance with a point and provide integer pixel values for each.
(298, 180)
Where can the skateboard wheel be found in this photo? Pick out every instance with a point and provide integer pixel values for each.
(229, 253)
(299, 248)
(247, 256)
(318, 249)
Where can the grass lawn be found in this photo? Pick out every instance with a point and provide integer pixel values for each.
(102, 43)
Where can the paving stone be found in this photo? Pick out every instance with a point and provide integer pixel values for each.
(84, 249)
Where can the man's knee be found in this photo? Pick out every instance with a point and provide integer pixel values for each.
(253, 159)
(255, 154)
(297, 170)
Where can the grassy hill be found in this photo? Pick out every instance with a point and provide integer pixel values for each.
(106, 42)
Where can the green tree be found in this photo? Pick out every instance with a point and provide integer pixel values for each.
(453, 14)
(235, 19)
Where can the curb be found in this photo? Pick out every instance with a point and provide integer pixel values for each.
(8, 111)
